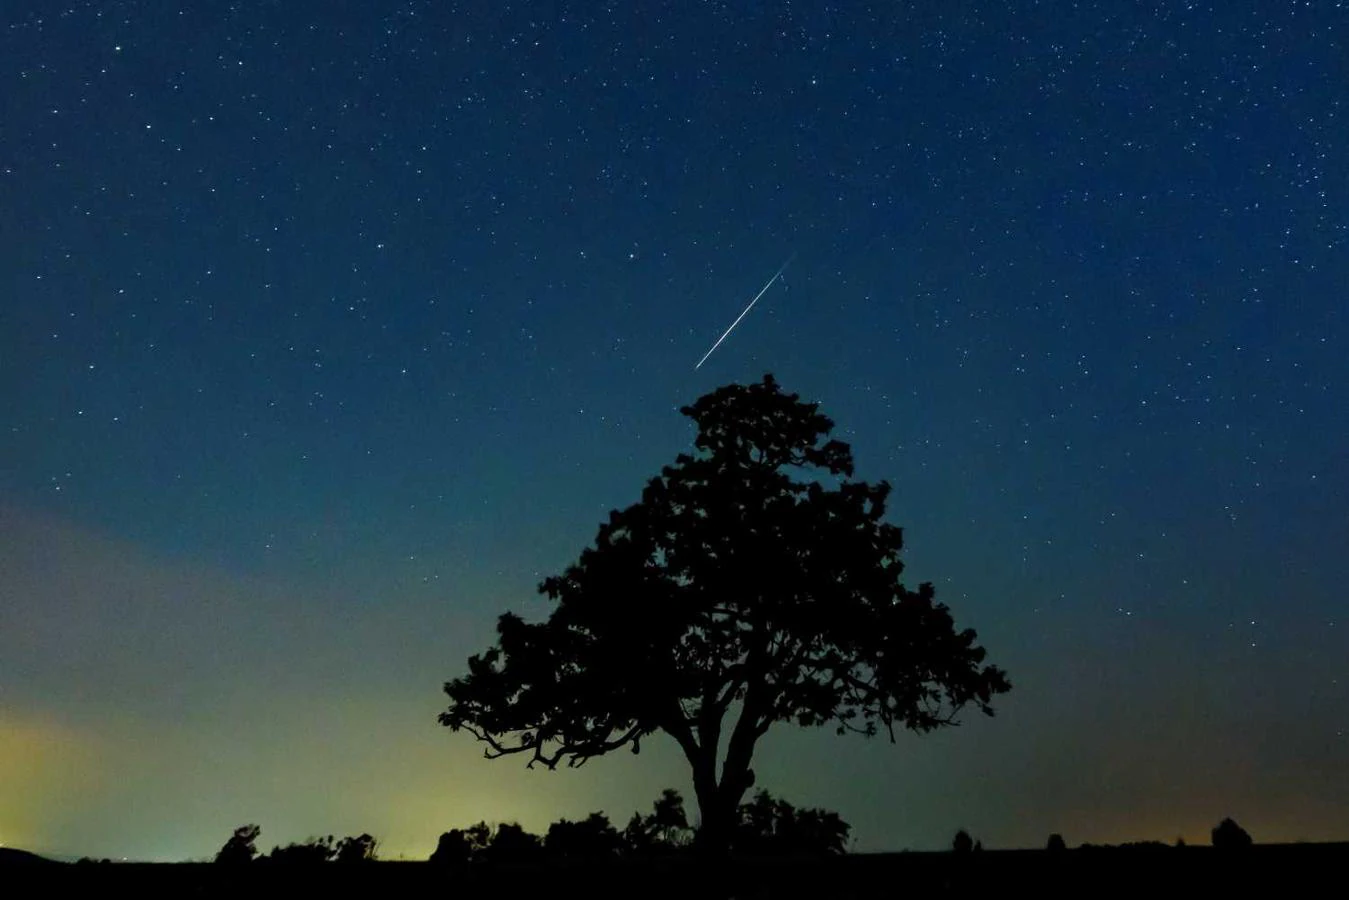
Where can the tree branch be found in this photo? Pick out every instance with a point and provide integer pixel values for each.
(579, 752)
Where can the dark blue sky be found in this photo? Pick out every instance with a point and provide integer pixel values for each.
(328, 329)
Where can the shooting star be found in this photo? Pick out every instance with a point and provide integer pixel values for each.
(763, 291)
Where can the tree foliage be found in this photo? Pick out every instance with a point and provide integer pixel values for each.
(1229, 835)
(511, 843)
(770, 827)
(591, 838)
(241, 847)
(665, 830)
(732, 589)
(356, 849)
(962, 843)
(460, 846)
(314, 850)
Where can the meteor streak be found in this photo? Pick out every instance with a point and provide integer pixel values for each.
(762, 291)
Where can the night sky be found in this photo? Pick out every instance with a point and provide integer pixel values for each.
(328, 330)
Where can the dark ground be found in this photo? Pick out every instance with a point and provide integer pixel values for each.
(1275, 870)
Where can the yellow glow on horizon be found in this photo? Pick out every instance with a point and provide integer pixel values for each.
(45, 769)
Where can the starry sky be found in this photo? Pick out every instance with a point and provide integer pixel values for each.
(327, 330)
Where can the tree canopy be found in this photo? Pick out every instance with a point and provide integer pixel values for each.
(665, 830)
(1229, 835)
(731, 595)
(241, 847)
(592, 837)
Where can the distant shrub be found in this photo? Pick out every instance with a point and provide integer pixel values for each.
(1229, 835)
(1055, 843)
(962, 843)
(356, 849)
(454, 848)
(314, 850)
(512, 844)
(591, 837)
(768, 826)
(241, 847)
(508, 842)
(665, 831)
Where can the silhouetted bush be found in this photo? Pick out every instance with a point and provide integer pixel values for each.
(962, 843)
(772, 827)
(314, 850)
(475, 844)
(453, 848)
(665, 831)
(1055, 843)
(241, 847)
(512, 844)
(1229, 835)
(592, 837)
(356, 849)
(325, 849)
(1144, 845)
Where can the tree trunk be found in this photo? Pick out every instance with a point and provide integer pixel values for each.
(719, 798)
(712, 837)
(718, 808)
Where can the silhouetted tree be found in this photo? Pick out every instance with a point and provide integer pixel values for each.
(356, 849)
(452, 848)
(774, 827)
(593, 836)
(1055, 843)
(511, 844)
(1229, 835)
(729, 589)
(314, 850)
(460, 846)
(664, 831)
(241, 847)
(962, 843)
